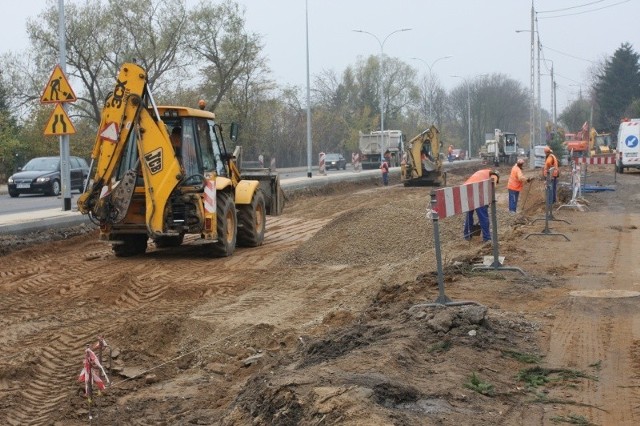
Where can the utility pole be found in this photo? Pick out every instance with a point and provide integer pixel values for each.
(532, 157)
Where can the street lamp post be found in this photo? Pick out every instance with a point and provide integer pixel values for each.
(381, 43)
(431, 76)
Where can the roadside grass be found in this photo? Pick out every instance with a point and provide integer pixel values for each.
(478, 385)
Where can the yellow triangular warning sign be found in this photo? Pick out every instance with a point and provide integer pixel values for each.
(58, 88)
(59, 123)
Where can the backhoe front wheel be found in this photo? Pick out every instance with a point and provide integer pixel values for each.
(226, 226)
(251, 222)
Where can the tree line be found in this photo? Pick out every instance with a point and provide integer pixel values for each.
(207, 52)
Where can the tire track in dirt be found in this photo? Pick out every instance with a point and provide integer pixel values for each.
(101, 294)
(596, 335)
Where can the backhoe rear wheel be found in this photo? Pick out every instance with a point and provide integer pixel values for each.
(131, 245)
(226, 225)
(251, 222)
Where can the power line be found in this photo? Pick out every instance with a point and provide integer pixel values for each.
(569, 8)
(586, 11)
(570, 55)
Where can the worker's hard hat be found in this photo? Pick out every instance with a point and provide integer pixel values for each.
(547, 150)
(520, 162)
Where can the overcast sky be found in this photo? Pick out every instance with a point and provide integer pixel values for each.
(480, 36)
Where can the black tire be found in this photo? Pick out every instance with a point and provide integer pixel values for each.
(13, 194)
(164, 242)
(131, 245)
(55, 188)
(226, 226)
(252, 222)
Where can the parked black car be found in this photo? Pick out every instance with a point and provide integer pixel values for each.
(41, 175)
(335, 161)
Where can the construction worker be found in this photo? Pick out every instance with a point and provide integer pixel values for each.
(176, 140)
(515, 184)
(551, 162)
(450, 153)
(482, 211)
(384, 167)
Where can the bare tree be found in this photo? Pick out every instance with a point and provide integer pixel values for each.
(218, 36)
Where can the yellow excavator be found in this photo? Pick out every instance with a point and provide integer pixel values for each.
(143, 185)
(422, 164)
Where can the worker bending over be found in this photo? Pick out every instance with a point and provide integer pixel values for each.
(482, 211)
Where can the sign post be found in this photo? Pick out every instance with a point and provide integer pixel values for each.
(59, 92)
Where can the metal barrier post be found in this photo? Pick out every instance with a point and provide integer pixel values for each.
(495, 265)
(575, 188)
(442, 297)
(548, 210)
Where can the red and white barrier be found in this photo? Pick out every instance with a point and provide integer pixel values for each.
(455, 200)
(599, 159)
(321, 165)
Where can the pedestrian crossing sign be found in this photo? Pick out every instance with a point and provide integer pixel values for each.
(59, 123)
(57, 89)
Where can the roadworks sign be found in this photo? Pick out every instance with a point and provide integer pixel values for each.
(57, 89)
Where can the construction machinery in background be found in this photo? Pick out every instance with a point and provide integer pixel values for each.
(500, 147)
(144, 184)
(588, 142)
(422, 161)
(374, 145)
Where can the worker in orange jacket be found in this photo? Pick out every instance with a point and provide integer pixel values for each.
(482, 211)
(515, 184)
(551, 162)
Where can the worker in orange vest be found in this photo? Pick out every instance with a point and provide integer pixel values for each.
(515, 184)
(450, 153)
(551, 162)
(482, 211)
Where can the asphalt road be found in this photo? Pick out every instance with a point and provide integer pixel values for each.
(32, 213)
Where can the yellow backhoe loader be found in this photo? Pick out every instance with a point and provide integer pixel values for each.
(422, 163)
(145, 184)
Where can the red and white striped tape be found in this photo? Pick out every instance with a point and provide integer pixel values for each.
(600, 159)
(210, 196)
(455, 200)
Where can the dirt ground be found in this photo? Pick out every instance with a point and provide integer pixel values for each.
(332, 320)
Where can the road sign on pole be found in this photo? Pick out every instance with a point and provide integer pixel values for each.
(57, 88)
(59, 123)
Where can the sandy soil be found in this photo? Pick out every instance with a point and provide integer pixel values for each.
(332, 320)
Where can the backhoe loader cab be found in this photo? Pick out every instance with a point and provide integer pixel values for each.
(163, 172)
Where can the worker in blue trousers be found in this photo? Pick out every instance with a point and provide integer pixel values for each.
(482, 211)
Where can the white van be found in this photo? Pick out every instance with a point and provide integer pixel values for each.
(628, 145)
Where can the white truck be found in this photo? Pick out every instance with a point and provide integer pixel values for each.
(375, 144)
(500, 147)
(628, 145)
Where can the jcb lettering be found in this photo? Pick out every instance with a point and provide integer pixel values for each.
(118, 93)
(154, 161)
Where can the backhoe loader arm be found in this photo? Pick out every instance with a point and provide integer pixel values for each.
(118, 116)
